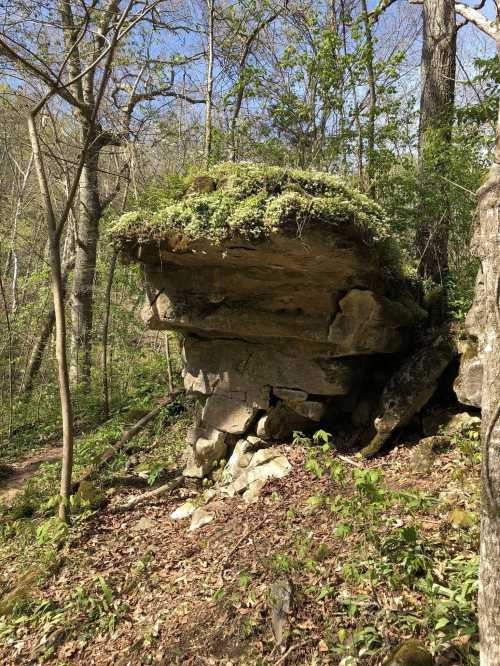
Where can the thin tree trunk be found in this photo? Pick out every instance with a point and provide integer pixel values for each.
(356, 110)
(40, 345)
(60, 320)
(234, 119)
(136, 500)
(373, 100)
(210, 82)
(105, 330)
(17, 214)
(483, 321)
(242, 84)
(11, 358)
(436, 120)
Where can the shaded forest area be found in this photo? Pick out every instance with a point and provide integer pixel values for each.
(112, 107)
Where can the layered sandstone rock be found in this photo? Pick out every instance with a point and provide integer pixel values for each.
(287, 288)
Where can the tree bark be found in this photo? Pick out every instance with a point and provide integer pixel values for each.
(242, 82)
(486, 245)
(60, 320)
(151, 494)
(370, 72)
(40, 345)
(169, 362)
(436, 119)
(11, 357)
(87, 237)
(356, 112)
(210, 82)
(105, 330)
(12, 255)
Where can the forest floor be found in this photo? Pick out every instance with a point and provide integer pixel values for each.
(15, 477)
(375, 552)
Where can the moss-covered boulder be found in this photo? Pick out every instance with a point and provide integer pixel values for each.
(283, 283)
(410, 653)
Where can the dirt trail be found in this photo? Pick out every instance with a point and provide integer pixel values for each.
(21, 472)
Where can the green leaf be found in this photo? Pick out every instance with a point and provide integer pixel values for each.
(442, 622)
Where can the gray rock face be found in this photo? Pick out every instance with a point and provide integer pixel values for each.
(239, 460)
(309, 409)
(289, 395)
(229, 413)
(249, 370)
(208, 446)
(369, 323)
(447, 424)
(409, 389)
(199, 518)
(469, 383)
(280, 423)
(274, 329)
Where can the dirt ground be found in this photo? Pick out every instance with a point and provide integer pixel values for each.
(17, 475)
(145, 590)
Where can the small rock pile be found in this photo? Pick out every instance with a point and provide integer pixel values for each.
(245, 474)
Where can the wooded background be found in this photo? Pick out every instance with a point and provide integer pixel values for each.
(106, 105)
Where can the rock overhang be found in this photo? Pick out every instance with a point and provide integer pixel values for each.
(281, 281)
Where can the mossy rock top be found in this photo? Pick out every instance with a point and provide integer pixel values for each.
(253, 202)
(410, 653)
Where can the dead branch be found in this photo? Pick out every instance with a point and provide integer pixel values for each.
(112, 451)
(151, 494)
(349, 461)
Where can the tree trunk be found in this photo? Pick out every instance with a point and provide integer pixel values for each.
(210, 82)
(356, 112)
(85, 262)
(370, 72)
(436, 120)
(486, 245)
(11, 357)
(60, 319)
(12, 256)
(105, 330)
(169, 362)
(243, 82)
(40, 345)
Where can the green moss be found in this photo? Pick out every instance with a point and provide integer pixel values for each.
(253, 201)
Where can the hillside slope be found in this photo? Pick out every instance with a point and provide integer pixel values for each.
(375, 553)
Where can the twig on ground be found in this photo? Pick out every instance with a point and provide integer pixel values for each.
(140, 499)
(349, 461)
(284, 656)
(111, 452)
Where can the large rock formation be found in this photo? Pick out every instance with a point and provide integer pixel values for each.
(287, 288)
